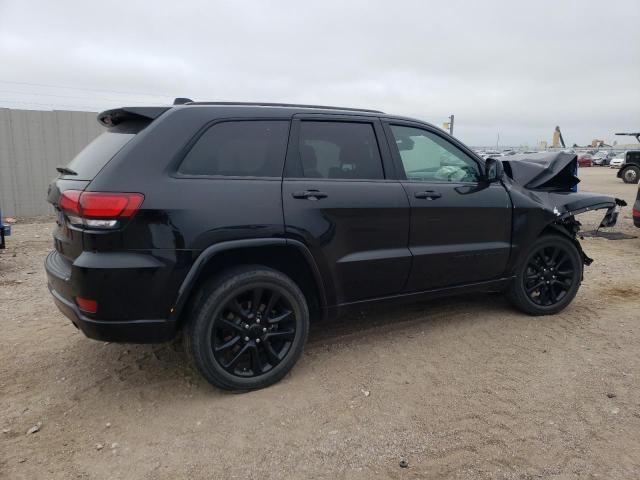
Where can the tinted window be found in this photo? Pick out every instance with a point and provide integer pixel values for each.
(428, 157)
(244, 149)
(339, 150)
(633, 157)
(95, 156)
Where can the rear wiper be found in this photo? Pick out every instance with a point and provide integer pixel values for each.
(66, 171)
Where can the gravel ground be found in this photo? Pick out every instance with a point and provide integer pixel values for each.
(458, 388)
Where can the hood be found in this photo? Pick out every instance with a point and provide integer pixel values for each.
(547, 171)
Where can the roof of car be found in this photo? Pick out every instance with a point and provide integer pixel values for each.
(292, 106)
(112, 117)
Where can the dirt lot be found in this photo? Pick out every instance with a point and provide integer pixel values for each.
(459, 388)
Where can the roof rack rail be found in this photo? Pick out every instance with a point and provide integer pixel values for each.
(294, 105)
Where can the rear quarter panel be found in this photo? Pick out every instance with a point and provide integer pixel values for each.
(180, 217)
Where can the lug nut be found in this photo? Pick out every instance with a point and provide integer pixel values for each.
(246, 325)
(257, 340)
(258, 320)
(264, 329)
(246, 339)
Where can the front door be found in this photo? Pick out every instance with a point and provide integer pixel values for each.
(339, 202)
(460, 225)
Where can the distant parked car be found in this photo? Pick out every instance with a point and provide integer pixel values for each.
(630, 168)
(602, 158)
(492, 154)
(617, 161)
(585, 160)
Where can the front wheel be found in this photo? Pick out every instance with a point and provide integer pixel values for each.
(249, 329)
(549, 278)
(630, 174)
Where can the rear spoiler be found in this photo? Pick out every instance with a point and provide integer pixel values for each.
(110, 118)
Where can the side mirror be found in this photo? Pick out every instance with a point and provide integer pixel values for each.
(493, 170)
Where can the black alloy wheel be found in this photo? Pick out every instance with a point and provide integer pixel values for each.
(253, 332)
(247, 328)
(549, 276)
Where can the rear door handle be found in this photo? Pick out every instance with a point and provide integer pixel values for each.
(428, 194)
(309, 194)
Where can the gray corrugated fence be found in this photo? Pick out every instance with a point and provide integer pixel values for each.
(32, 144)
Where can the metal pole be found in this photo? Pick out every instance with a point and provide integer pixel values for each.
(451, 125)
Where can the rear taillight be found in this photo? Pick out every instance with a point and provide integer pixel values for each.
(87, 305)
(99, 209)
(636, 213)
(70, 202)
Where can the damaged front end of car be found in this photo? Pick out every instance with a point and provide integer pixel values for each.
(543, 189)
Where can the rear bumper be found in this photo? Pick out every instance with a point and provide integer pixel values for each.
(110, 330)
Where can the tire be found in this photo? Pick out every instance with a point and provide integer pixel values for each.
(228, 319)
(630, 174)
(545, 270)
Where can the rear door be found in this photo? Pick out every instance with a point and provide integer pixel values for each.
(460, 225)
(340, 199)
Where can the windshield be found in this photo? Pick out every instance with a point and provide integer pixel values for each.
(97, 154)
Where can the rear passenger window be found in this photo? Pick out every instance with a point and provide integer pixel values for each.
(344, 150)
(239, 149)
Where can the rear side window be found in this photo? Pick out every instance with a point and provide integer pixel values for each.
(341, 150)
(97, 154)
(239, 149)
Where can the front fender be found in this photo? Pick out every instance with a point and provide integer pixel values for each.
(536, 212)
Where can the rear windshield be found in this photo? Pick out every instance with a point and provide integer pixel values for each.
(95, 156)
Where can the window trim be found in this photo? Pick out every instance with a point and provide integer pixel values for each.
(395, 153)
(182, 154)
(293, 162)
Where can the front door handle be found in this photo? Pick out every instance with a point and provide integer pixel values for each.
(428, 194)
(309, 194)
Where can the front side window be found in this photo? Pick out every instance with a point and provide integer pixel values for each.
(340, 150)
(239, 149)
(428, 157)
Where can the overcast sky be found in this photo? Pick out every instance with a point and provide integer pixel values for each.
(508, 67)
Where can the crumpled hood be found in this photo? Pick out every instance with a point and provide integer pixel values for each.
(547, 171)
(549, 179)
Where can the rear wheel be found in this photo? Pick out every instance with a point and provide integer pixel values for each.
(249, 328)
(549, 278)
(630, 174)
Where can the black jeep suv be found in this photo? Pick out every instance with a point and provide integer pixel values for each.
(238, 223)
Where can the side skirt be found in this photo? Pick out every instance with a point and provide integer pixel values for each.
(497, 285)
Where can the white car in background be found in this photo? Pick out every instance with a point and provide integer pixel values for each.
(617, 161)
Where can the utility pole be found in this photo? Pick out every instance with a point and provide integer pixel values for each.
(449, 125)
